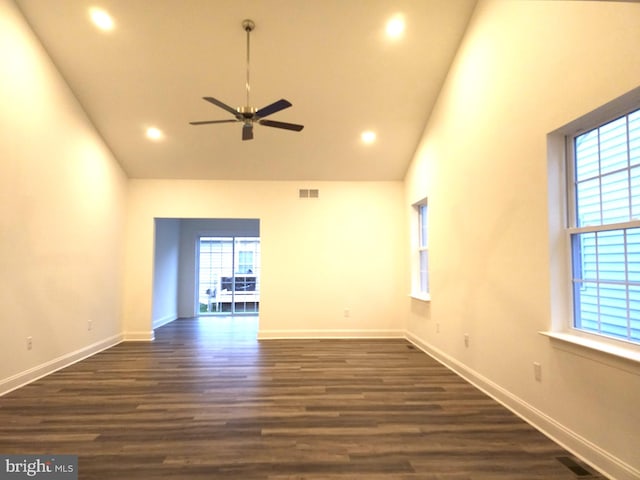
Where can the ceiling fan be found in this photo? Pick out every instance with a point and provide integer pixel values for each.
(247, 114)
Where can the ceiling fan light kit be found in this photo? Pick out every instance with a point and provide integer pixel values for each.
(247, 114)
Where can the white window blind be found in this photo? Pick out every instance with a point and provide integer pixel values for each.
(605, 228)
(423, 249)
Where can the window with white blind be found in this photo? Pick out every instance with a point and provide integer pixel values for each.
(421, 260)
(604, 227)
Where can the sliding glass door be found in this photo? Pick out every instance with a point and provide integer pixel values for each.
(228, 275)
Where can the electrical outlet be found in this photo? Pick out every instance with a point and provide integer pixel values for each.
(89, 325)
(537, 371)
(437, 328)
(29, 343)
(347, 313)
(466, 340)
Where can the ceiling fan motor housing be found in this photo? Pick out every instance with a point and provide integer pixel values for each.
(246, 112)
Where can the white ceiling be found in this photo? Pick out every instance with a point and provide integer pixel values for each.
(330, 58)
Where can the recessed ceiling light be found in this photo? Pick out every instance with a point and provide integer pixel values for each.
(395, 26)
(101, 19)
(368, 137)
(154, 133)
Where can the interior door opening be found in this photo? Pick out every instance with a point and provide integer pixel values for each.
(228, 275)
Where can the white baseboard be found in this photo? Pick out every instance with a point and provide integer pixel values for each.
(23, 378)
(601, 460)
(293, 334)
(159, 322)
(146, 336)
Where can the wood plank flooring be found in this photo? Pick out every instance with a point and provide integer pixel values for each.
(208, 401)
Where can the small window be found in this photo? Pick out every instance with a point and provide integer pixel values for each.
(245, 262)
(604, 227)
(421, 263)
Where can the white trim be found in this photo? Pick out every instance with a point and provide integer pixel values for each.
(295, 334)
(633, 223)
(23, 378)
(598, 344)
(590, 453)
(147, 336)
(425, 297)
(159, 322)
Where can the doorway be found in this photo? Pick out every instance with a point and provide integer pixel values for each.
(228, 275)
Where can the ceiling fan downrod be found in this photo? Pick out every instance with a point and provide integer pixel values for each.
(248, 26)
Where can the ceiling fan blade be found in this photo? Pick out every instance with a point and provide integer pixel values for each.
(247, 131)
(205, 122)
(222, 105)
(273, 108)
(286, 126)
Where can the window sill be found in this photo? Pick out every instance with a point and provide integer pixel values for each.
(424, 297)
(583, 343)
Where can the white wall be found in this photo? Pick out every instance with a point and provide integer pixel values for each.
(321, 256)
(190, 231)
(165, 271)
(524, 69)
(62, 199)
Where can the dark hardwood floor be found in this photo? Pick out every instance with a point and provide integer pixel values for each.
(208, 401)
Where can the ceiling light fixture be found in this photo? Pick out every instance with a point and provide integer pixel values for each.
(154, 133)
(101, 19)
(368, 137)
(395, 26)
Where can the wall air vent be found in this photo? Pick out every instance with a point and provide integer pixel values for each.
(309, 193)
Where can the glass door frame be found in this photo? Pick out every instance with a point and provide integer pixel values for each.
(229, 282)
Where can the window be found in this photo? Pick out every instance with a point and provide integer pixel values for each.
(421, 263)
(245, 261)
(603, 163)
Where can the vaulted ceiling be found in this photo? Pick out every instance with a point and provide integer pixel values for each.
(332, 59)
